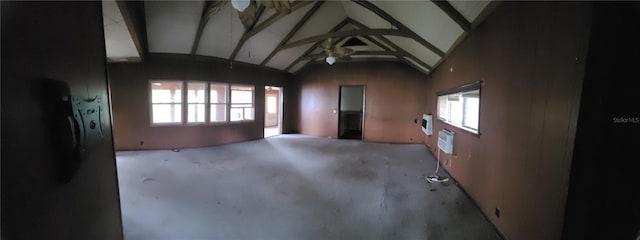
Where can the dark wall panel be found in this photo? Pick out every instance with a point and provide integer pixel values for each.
(531, 59)
(45, 44)
(131, 109)
(604, 169)
(393, 100)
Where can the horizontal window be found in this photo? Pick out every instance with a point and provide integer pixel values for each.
(205, 102)
(461, 108)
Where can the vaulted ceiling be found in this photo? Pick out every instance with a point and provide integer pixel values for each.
(419, 33)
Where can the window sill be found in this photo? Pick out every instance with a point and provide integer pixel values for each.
(465, 129)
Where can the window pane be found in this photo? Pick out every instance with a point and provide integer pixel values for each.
(471, 112)
(196, 92)
(442, 107)
(241, 96)
(166, 91)
(242, 103)
(236, 114)
(461, 109)
(218, 93)
(166, 98)
(166, 113)
(218, 113)
(455, 105)
(248, 114)
(196, 113)
(271, 104)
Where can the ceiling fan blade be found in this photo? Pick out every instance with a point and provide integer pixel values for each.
(280, 6)
(248, 15)
(342, 51)
(326, 44)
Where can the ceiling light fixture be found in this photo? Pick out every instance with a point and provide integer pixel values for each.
(240, 5)
(330, 60)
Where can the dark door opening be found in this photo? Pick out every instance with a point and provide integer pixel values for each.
(351, 118)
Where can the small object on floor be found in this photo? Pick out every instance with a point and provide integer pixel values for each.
(436, 179)
(176, 149)
(432, 190)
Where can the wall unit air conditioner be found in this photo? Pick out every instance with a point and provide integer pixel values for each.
(445, 141)
(427, 124)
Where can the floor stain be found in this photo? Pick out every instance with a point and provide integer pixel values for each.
(148, 180)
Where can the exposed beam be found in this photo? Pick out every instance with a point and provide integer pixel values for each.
(334, 29)
(210, 9)
(401, 58)
(350, 33)
(134, 17)
(358, 53)
(253, 30)
(316, 62)
(294, 30)
(384, 15)
(447, 8)
(394, 46)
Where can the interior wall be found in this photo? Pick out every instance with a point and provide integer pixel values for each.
(531, 56)
(603, 197)
(393, 100)
(46, 44)
(131, 110)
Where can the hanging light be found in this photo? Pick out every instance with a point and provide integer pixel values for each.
(240, 5)
(330, 60)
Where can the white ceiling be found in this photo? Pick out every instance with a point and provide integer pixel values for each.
(172, 25)
(118, 41)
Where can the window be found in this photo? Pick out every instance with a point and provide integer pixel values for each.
(206, 102)
(166, 102)
(241, 103)
(218, 102)
(461, 107)
(196, 102)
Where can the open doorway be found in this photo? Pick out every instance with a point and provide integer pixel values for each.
(351, 118)
(272, 111)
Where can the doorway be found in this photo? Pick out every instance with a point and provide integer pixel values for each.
(351, 118)
(272, 111)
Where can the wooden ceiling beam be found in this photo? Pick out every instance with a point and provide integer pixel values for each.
(358, 53)
(315, 45)
(349, 33)
(395, 47)
(253, 30)
(456, 16)
(134, 18)
(294, 30)
(210, 9)
(384, 15)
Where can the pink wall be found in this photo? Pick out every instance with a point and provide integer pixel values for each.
(131, 110)
(531, 58)
(394, 99)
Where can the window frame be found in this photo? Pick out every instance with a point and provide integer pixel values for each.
(230, 103)
(226, 103)
(184, 105)
(474, 86)
(151, 103)
(185, 100)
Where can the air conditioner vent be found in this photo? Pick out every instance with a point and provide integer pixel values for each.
(445, 141)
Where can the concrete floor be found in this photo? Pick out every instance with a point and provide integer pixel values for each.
(293, 187)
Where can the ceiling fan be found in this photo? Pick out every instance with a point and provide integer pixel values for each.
(247, 9)
(332, 52)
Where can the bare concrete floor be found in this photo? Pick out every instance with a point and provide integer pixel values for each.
(292, 187)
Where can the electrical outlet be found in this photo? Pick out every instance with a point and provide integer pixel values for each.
(497, 212)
